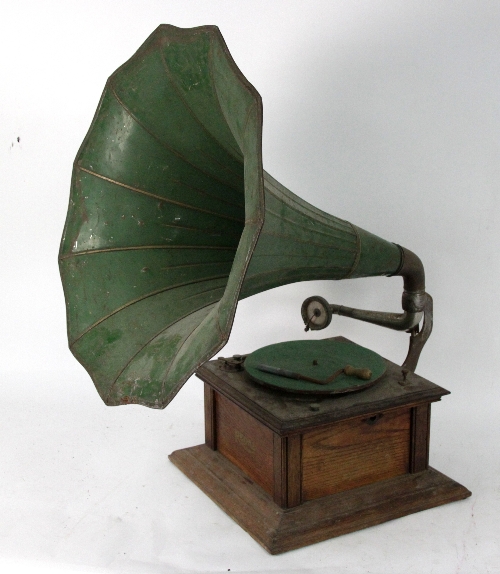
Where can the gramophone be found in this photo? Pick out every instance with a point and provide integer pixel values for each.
(171, 222)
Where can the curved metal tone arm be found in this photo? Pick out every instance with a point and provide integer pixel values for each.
(397, 321)
(413, 300)
(416, 303)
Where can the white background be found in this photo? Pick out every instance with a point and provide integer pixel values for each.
(385, 113)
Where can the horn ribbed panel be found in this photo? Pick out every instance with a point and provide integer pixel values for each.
(165, 228)
(298, 241)
(157, 209)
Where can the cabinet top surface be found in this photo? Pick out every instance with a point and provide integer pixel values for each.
(285, 412)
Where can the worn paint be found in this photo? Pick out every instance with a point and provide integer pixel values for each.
(172, 220)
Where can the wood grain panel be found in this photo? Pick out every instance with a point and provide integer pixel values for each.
(420, 430)
(210, 432)
(294, 470)
(280, 493)
(246, 442)
(287, 470)
(356, 452)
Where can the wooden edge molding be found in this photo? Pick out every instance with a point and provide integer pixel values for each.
(280, 530)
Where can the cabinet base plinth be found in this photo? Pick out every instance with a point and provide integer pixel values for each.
(279, 530)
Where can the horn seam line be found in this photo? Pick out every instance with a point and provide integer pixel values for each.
(299, 204)
(164, 144)
(203, 231)
(247, 115)
(212, 158)
(178, 352)
(199, 190)
(142, 298)
(295, 240)
(324, 269)
(139, 248)
(147, 343)
(196, 264)
(158, 197)
(337, 224)
(223, 287)
(289, 255)
(214, 84)
(318, 231)
(358, 253)
(175, 85)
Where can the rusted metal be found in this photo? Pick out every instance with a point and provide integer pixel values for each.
(233, 364)
(416, 303)
(418, 337)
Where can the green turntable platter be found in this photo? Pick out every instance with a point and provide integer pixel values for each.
(316, 367)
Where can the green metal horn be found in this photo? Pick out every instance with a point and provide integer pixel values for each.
(172, 220)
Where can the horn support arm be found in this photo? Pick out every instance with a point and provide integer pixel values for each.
(416, 303)
(413, 299)
(397, 321)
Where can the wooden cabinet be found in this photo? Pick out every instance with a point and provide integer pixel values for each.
(293, 470)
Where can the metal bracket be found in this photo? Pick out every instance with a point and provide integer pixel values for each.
(417, 305)
(418, 337)
(234, 363)
(317, 314)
